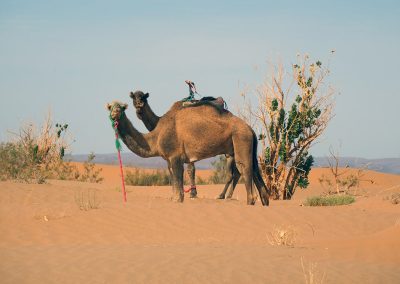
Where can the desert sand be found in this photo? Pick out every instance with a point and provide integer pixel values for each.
(46, 238)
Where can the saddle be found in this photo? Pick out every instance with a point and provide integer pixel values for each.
(218, 103)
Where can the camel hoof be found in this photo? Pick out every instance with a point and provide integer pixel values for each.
(193, 193)
(221, 197)
(178, 199)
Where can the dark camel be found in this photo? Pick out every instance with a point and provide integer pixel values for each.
(190, 134)
(150, 120)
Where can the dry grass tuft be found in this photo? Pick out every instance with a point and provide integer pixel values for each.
(395, 198)
(282, 236)
(87, 200)
(311, 273)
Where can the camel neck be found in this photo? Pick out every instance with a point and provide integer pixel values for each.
(139, 143)
(149, 118)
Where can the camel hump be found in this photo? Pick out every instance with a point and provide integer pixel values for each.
(218, 103)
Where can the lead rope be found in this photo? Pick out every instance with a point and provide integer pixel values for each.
(118, 146)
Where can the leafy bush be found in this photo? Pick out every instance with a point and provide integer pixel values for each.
(290, 115)
(140, 177)
(33, 155)
(332, 200)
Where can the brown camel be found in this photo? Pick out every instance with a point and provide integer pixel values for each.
(190, 134)
(150, 120)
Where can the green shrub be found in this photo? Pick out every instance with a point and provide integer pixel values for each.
(289, 120)
(332, 200)
(140, 177)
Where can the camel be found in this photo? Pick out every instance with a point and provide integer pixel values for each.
(150, 120)
(190, 134)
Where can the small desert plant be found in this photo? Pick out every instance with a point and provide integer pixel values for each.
(14, 163)
(282, 236)
(200, 181)
(87, 200)
(90, 174)
(311, 273)
(66, 171)
(332, 200)
(140, 177)
(341, 180)
(219, 173)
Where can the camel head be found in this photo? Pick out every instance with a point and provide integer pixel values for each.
(139, 101)
(116, 109)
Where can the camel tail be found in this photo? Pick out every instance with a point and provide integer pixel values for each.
(257, 178)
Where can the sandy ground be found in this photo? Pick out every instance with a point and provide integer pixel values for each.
(46, 238)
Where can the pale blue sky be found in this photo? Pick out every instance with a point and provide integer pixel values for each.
(73, 57)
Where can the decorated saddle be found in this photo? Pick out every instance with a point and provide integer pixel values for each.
(190, 101)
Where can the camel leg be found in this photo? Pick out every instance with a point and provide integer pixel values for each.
(177, 179)
(229, 176)
(246, 170)
(192, 176)
(236, 177)
(170, 172)
(243, 149)
(262, 189)
(233, 177)
(257, 178)
(227, 184)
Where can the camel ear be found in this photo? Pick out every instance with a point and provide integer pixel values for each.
(108, 106)
(124, 106)
(146, 95)
(131, 95)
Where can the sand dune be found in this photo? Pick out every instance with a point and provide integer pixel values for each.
(46, 238)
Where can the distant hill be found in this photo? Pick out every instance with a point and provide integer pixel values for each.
(388, 165)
